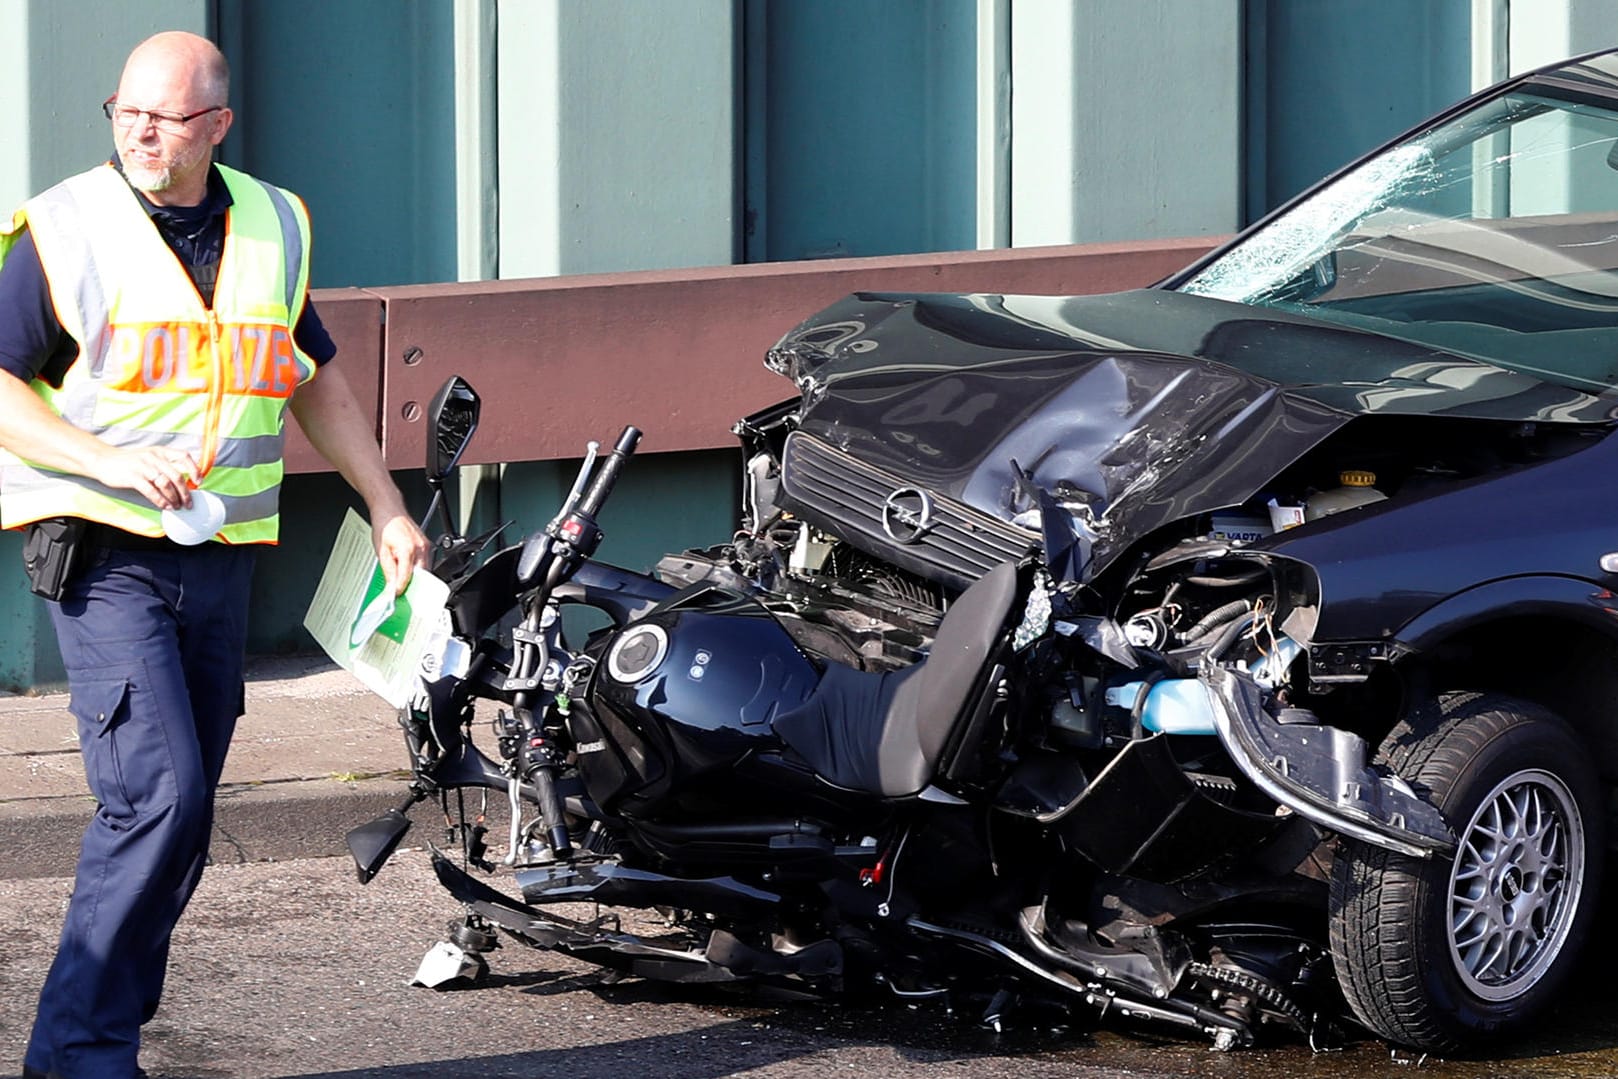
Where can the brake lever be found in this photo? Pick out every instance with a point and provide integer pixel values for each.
(550, 555)
(591, 450)
(536, 547)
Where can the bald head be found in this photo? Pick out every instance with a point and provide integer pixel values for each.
(171, 113)
(186, 58)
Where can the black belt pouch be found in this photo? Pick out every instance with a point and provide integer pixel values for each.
(52, 552)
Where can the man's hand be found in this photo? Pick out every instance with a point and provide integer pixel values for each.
(164, 477)
(400, 548)
(28, 428)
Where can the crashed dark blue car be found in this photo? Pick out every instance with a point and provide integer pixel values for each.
(1331, 521)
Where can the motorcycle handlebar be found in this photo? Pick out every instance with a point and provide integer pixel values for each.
(601, 487)
(550, 812)
(574, 528)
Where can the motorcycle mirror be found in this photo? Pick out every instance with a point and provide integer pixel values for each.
(373, 844)
(452, 418)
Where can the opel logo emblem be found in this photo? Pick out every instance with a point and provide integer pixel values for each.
(907, 515)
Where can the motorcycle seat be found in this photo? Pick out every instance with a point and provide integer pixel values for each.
(886, 732)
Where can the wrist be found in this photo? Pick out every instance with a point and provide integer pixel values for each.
(386, 507)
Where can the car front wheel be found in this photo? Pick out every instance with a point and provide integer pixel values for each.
(1436, 953)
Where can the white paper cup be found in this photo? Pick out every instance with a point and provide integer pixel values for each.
(197, 523)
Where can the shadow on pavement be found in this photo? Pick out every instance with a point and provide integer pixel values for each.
(699, 1054)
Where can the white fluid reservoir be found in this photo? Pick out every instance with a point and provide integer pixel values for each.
(1357, 490)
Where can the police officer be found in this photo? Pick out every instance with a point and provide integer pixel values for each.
(154, 326)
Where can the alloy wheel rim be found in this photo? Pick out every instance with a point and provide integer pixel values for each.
(1515, 884)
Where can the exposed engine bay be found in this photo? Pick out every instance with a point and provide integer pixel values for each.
(1165, 601)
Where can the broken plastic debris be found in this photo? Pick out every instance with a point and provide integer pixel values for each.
(445, 963)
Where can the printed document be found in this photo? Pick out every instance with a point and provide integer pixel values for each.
(355, 618)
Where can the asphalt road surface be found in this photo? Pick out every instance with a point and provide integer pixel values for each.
(293, 969)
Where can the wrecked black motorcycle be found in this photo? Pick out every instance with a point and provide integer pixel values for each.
(1232, 655)
(943, 809)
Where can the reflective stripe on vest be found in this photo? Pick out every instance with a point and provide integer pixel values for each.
(155, 366)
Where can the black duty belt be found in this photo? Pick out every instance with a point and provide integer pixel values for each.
(116, 539)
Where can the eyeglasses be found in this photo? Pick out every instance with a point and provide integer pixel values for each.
(172, 122)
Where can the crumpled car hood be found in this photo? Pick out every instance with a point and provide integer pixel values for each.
(1132, 409)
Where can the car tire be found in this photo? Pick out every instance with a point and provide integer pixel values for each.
(1437, 953)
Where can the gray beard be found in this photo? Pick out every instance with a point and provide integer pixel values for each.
(154, 181)
(149, 179)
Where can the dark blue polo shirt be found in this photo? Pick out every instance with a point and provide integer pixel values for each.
(32, 340)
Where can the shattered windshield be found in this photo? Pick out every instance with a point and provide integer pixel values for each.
(1493, 236)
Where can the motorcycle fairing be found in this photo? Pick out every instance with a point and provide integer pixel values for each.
(479, 599)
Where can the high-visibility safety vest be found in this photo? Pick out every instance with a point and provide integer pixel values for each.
(156, 366)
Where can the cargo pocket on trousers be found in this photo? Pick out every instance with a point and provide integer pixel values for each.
(100, 706)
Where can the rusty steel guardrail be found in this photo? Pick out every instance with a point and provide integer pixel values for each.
(560, 360)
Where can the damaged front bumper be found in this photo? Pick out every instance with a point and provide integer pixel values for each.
(1321, 772)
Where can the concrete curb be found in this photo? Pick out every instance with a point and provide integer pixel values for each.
(315, 755)
(253, 822)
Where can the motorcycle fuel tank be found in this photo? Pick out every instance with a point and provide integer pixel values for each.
(690, 689)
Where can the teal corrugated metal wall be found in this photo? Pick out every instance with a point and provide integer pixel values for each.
(1328, 81)
(861, 127)
(352, 105)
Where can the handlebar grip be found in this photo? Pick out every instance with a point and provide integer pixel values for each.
(550, 812)
(608, 474)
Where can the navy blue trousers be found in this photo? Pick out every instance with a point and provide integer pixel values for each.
(153, 641)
